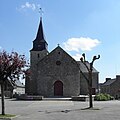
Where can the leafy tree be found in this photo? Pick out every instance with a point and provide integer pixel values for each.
(89, 79)
(11, 66)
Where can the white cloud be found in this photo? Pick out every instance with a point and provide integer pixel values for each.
(28, 5)
(77, 57)
(82, 43)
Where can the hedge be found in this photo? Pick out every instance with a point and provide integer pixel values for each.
(103, 97)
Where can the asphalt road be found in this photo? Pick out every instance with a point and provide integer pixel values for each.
(62, 110)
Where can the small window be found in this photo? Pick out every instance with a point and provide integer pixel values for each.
(58, 62)
(38, 55)
(58, 52)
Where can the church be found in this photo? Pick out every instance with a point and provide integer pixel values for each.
(56, 73)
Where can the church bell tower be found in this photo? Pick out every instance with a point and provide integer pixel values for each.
(38, 51)
(40, 46)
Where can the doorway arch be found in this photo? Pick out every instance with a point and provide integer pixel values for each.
(58, 88)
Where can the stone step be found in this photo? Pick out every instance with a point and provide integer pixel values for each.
(56, 99)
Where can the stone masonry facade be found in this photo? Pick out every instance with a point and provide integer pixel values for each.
(56, 73)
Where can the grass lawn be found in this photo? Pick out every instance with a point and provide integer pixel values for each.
(7, 116)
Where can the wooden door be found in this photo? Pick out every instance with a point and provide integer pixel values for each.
(58, 88)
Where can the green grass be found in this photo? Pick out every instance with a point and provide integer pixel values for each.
(7, 116)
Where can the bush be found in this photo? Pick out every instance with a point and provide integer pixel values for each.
(103, 97)
(108, 96)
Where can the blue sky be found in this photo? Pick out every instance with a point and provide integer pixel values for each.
(79, 26)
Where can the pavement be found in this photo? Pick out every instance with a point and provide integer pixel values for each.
(62, 110)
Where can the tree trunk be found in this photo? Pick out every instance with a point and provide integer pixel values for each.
(90, 98)
(90, 90)
(2, 98)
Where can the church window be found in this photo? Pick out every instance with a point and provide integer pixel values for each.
(39, 45)
(58, 52)
(58, 62)
(38, 55)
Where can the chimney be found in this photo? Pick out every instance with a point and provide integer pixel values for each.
(108, 79)
(117, 76)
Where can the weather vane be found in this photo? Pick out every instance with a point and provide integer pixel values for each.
(41, 12)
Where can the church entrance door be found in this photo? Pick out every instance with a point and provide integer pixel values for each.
(58, 88)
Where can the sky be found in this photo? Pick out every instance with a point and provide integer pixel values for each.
(79, 26)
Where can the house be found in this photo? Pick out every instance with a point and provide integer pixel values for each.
(12, 88)
(56, 73)
(19, 88)
(111, 86)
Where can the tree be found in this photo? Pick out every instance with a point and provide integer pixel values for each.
(11, 66)
(89, 79)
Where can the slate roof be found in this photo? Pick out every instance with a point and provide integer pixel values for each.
(40, 33)
(83, 67)
(109, 82)
(16, 83)
(39, 43)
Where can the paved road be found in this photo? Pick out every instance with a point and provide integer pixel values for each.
(62, 110)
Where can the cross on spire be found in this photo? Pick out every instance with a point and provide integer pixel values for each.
(41, 12)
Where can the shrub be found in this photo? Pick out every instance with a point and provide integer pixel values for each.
(103, 97)
(107, 96)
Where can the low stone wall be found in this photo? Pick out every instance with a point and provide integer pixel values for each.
(81, 98)
(28, 97)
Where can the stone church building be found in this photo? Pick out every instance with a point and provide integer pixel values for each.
(56, 73)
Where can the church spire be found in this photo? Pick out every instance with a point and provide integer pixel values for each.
(40, 34)
(40, 43)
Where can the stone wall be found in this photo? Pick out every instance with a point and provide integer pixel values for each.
(112, 88)
(35, 57)
(46, 69)
(66, 70)
(84, 84)
(115, 88)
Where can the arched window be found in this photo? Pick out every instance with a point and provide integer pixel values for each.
(38, 55)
